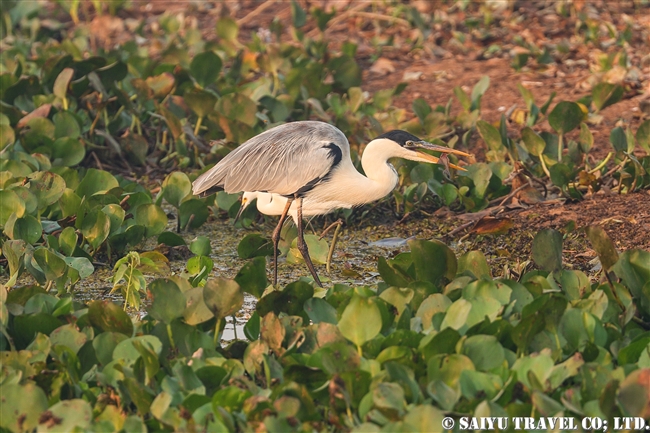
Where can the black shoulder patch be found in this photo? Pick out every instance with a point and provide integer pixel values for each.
(336, 155)
(398, 136)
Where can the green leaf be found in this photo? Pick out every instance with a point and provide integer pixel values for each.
(603, 245)
(643, 135)
(171, 239)
(618, 139)
(254, 245)
(193, 213)
(67, 152)
(200, 101)
(561, 174)
(565, 117)
(61, 83)
(152, 217)
(21, 406)
(361, 320)
(196, 311)
(96, 182)
(205, 68)
(480, 173)
(490, 135)
(223, 297)
(239, 107)
(47, 187)
(320, 310)
(167, 300)
(586, 138)
(475, 263)
(26, 228)
(227, 29)
(176, 187)
(201, 246)
(298, 15)
(96, 227)
(547, 250)
(434, 261)
(252, 277)
(534, 143)
(485, 351)
(606, 94)
(11, 204)
(109, 317)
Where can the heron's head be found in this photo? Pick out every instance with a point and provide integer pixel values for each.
(406, 145)
(246, 199)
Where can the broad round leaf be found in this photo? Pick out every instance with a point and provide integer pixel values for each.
(168, 302)
(535, 144)
(175, 187)
(547, 250)
(96, 227)
(361, 320)
(109, 317)
(94, 182)
(223, 297)
(193, 213)
(205, 68)
(21, 406)
(66, 125)
(565, 117)
(11, 203)
(67, 152)
(152, 217)
(48, 187)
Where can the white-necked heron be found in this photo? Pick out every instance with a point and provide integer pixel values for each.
(308, 164)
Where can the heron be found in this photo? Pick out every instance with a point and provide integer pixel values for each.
(308, 163)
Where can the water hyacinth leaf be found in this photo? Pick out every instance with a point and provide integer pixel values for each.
(534, 143)
(606, 94)
(634, 394)
(561, 174)
(643, 135)
(618, 139)
(290, 300)
(193, 213)
(11, 204)
(254, 245)
(69, 203)
(66, 125)
(223, 297)
(565, 117)
(68, 336)
(252, 327)
(61, 83)
(475, 263)
(67, 152)
(547, 250)
(205, 68)
(227, 29)
(433, 261)
(586, 138)
(82, 265)
(48, 187)
(490, 135)
(485, 351)
(603, 245)
(361, 320)
(320, 310)
(201, 246)
(115, 214)
(176, 187)
(22, 406)
(346, 71)
(167, 300)
(633, 267)
(480, 173)
(196, 311)
(200, 101)
(95, 182)
(171, 239)
(252, 277)
(152, 217)
(96, 227)
(237, 106)
(161, 84)
(110, 317)
(51, 264)
(26, 228)
(318, 250)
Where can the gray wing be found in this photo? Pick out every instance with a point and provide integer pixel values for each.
(288, 159)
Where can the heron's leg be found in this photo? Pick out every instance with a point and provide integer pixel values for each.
(276, 240)
(302, 245)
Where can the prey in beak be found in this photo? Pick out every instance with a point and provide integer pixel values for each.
(416, 145)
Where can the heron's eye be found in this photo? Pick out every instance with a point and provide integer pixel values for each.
(409, 143)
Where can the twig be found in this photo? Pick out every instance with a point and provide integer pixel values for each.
(382, 17)
(99, 164)
(255, 12)
(343, 16)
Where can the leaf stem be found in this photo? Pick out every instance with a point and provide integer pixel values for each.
(541, 158)
(198, 125)
(216, 331)
(560, 147)
(170, 336)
